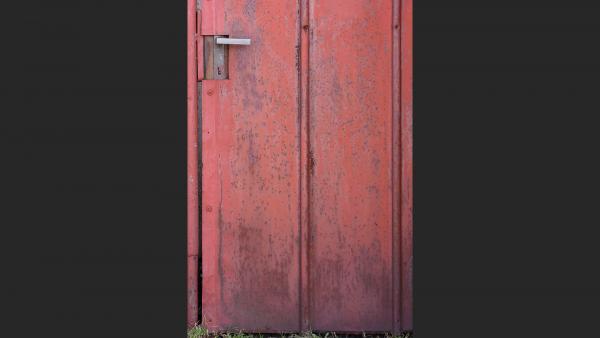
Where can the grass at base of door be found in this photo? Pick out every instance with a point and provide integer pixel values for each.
(201, 332)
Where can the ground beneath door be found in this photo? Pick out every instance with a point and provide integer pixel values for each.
(201, 332)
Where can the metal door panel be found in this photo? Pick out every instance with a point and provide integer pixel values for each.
(351, 173)
(250, 195)
(306, 167)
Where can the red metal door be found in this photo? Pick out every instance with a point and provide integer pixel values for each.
(306, 172)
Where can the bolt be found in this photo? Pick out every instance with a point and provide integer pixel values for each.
(210, 92)
(209, 208)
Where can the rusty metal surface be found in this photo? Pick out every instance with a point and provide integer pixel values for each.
(351, 166)
(251, 173)
(307, 167)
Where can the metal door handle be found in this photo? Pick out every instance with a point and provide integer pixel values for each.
(230, 41)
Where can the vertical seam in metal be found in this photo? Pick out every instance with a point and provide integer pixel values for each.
(396, 170)
(406, 112)
(199, 69)
(192, 168)
(309, 167)
(305, 287)
(199, 193)
(300, 140)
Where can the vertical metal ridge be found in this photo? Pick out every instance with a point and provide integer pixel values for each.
(300, 171)
(192, 167)
(211, 195)
(199, 194)
(406, 184)
(396, 242)
(305, 301)
(213, 16)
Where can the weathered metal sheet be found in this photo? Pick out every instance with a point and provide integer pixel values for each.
(351, 182)
(307, 167)
(250, 186)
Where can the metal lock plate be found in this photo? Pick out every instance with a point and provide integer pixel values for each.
(216, 54)
(215, 58)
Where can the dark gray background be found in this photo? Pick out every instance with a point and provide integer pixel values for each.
(92, 146)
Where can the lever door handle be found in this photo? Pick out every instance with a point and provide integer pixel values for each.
(230, 41)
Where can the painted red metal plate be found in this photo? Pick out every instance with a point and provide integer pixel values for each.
(307, 167)
(250, 184)
(351, 181)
